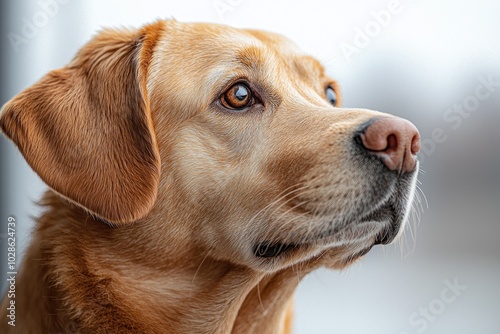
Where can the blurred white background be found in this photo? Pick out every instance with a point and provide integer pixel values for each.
(436, 63)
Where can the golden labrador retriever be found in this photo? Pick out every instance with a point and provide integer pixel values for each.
(197, 172)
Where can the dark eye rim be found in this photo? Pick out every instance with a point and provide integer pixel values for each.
(254, 97)
(332, 87)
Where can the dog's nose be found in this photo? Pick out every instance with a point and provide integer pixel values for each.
(394, 140)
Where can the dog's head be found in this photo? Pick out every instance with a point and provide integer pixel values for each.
(234, 140)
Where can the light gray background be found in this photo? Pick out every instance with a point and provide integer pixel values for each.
(428, 58)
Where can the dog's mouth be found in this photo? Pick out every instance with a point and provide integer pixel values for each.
(387, 217)
(379, 225)
(267, 249)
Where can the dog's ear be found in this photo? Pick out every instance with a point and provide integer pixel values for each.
(87, 130)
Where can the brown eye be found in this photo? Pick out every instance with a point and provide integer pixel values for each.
(238, 97)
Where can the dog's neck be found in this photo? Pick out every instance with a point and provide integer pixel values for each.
(103, 279)
(215, 297)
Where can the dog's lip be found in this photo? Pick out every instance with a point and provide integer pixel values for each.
(386, 215)
(389, 214)
(269, 249)
(394, 218)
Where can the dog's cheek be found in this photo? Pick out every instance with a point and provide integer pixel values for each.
(220, 193)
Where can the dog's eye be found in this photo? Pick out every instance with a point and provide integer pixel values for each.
(331, 96)
(238, 97)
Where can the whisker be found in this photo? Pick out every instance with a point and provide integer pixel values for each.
(279, 198)
(199, 267)
(425, 197)
(260, 298)
(412, 213)
(279, 232)
(289, 200)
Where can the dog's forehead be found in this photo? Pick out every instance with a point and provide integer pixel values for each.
(224, 42)
(279, 43)
(234, 37)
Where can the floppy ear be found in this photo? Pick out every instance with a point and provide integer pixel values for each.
(86, 129)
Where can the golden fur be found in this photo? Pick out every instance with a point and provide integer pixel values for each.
(158, 195)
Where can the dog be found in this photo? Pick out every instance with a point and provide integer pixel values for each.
(196, 173)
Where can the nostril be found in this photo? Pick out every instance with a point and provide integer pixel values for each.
(415, 144)
(393, 140)
(379, 140)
